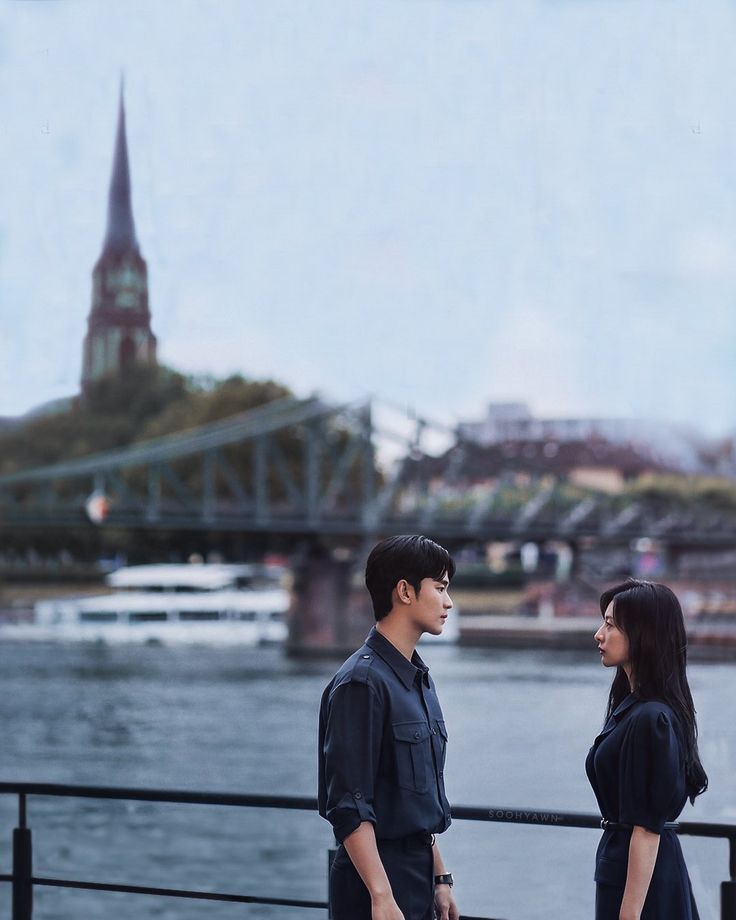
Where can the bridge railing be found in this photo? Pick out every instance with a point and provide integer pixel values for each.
(24, 881)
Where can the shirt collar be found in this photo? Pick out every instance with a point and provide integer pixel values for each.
(405, 670)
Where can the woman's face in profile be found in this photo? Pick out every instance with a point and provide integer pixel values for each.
(613, 644)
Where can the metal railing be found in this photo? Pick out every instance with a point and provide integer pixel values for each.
(24, 881)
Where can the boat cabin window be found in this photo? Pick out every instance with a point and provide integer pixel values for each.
(97, 616)
(164, 589)
(191, 615)
(148, 616)
(244, 581)
(249, 615)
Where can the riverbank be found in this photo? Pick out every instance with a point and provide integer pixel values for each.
(707, 641)
(485, 619)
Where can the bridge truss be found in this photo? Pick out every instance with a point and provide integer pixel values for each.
(299, 467)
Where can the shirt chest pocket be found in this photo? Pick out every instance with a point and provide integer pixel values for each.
(412, 745)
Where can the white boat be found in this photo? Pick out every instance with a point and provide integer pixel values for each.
(212, 604)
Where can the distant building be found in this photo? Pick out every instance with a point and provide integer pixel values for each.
(501, 418)
(119, 323)
(515, 422)
(593, 464)
(665, 445)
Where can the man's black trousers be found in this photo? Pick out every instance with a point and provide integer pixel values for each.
(409, 865)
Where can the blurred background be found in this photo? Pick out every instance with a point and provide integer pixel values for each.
(278, 280)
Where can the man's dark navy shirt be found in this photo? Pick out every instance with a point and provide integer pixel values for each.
(382, 741)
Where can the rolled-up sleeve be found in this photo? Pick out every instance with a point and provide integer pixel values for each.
(351, 733)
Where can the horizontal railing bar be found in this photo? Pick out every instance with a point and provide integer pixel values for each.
(181, 893)
(178, 893)
(507, 815)
(497, 814)
(546, 818)
(706, 829)
(177, 796)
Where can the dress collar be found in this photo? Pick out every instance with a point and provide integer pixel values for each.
(626, 703)
(618, 713)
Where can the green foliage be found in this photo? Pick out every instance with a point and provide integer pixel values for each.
(683, 490)
(135, 398)
(478, 575)
(151, 403)
(209, 402)
(117, 411)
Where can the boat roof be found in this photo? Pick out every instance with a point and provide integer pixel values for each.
(200, 576)
(137, 601)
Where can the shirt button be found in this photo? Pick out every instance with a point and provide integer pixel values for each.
(441, 774)
(417, 734)
(366, 656)
(358, 794)
(434, 731)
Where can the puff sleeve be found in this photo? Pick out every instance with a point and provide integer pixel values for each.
(651, 770)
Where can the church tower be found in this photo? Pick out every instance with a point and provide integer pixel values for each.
(119, 323)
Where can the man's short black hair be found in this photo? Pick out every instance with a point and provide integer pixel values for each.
(412, 558)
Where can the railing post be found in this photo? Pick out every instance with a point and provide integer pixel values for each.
(728, 889)
(22, 865)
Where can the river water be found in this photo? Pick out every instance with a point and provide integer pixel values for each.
(244, 720)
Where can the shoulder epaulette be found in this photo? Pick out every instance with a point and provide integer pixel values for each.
(362, 666)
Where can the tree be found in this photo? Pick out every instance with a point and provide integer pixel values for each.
(119, 410)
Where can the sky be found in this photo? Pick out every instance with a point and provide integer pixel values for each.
(440, 202)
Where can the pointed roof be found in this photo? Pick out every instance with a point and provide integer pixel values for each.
(120, 236)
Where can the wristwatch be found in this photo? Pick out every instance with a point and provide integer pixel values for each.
(445, 879)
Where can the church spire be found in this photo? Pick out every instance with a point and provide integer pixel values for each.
(120, 236)
(119, 324)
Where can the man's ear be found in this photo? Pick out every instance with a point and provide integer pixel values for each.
(404, 592)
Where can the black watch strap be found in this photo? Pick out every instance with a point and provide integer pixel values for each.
(445, 879)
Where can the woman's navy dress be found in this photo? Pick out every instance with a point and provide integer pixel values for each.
(637, 771)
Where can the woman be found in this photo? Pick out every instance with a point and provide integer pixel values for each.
(644, 765)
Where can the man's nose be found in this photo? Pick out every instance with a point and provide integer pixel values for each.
(448, 602)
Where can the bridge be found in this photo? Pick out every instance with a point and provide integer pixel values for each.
(306, 467)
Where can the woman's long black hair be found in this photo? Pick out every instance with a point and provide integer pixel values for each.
(651, 618)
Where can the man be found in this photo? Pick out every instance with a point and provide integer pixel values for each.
(382, 742)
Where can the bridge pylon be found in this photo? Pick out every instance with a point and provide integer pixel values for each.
(330, 612)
